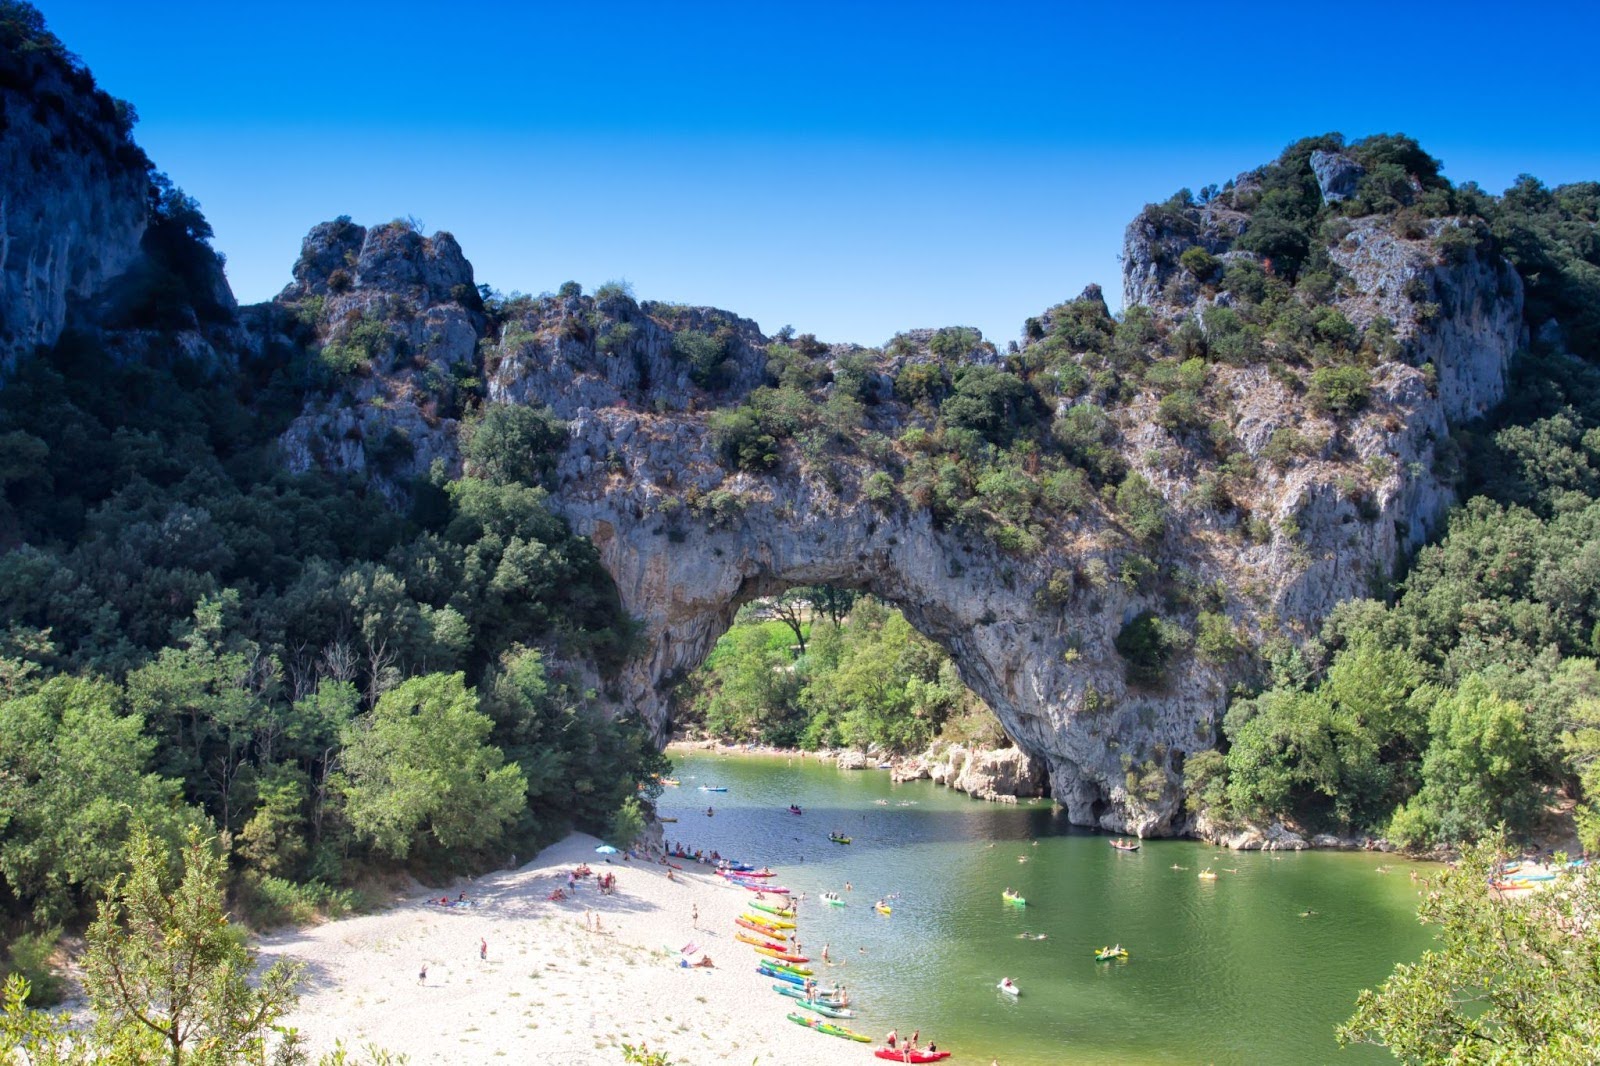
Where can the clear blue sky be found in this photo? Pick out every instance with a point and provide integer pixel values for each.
(851, 169)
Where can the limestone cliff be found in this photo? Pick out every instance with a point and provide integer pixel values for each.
(72, 193)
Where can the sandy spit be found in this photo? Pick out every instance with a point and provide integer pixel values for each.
(551, 991)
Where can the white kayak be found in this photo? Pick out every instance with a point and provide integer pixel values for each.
(1009, 989)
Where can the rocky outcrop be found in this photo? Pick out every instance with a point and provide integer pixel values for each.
(72, 195)
(1336, 175)
(1008, 773)
(398, 320)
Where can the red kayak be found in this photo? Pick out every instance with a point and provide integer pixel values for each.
(906, 1055)
(759, 887)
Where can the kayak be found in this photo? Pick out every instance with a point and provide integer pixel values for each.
(666, 819)
(771, 921)
(828, 997)
(1010, 990)
(839, 840)
(832, 1030)
(757, 886)
(827, 1010)
(1108, 954)
(1014, 898)
(754, 873)
(833, 901)
(671, 781)
(713, 788)
(893, 1054)
(1123, 845)
(882, 908)
(792, 968)
(796, 810)
(781, 975)
(783, 956)
(764, 930)
(770, 908)
(755, 941)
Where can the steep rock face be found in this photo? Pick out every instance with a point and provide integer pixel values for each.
(72, 196)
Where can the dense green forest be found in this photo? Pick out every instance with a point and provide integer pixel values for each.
(193, 636)
(820, 668)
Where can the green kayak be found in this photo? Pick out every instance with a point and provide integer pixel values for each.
(781, 912)
(827, 1027)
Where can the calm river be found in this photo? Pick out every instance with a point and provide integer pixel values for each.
(1222, 971)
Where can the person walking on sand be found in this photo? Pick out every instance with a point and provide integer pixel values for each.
(694, 913)
(483, 950)
(422, 977)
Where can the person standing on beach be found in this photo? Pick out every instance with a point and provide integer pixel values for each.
(695, 915)
(422, 977)
(483, 950)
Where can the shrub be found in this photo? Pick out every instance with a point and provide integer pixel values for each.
(1340, 390)
(1143, 510)
(879, 488)
(514, 443)
(1216, 641)
(1284, 446)
(612, 290)
(569, 289)
(268, 902)
(1202, 264)
(29, 958)
(1181, 410)
(1149, 644)
(707, 356)
(743, 438)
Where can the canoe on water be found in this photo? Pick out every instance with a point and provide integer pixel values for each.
(900, 1054)
(1012, 897)
(840, 840)
(1109, 954)
(1125, 845)
(882, 908)
(827, 1027)
(713, 788)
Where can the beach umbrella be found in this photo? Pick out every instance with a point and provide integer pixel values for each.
(606, 849)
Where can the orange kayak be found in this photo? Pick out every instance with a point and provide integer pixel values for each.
(764, 930)
(783, 955)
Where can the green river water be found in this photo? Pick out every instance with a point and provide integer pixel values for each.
(1224, 971)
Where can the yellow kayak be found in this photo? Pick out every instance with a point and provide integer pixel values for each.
(881, 909)
(770, 921)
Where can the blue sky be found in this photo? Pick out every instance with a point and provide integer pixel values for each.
(851, 169)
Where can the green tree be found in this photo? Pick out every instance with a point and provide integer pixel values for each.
(1476, 772)
(74, 775)
(514, 442)
(1507, 982)
(165, 972)
(419, 774)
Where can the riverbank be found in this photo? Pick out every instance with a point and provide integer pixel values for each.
(550, 990)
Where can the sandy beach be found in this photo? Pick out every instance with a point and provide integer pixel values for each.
(551, 991)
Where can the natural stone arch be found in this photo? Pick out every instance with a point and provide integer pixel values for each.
(684, 578)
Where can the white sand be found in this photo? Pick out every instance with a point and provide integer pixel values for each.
(552, 992)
